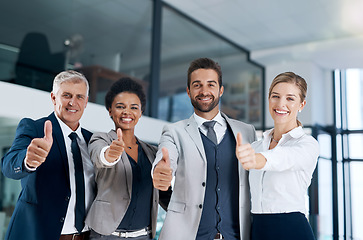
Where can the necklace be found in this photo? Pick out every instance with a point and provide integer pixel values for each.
(273, 139)
(130, 147)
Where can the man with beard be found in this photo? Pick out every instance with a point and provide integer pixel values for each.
(210, 197)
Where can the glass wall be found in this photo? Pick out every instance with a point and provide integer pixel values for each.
(110, 39)
(353, 154)
(103, 39)
(325, 230)
(341, 161)
(242, 80)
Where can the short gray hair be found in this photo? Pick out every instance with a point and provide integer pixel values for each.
(69, 75)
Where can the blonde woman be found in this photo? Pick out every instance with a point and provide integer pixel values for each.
(281, 165)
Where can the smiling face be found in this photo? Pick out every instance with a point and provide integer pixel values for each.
(69, 102)
(204, 92)
(125, 110)
(284, 104)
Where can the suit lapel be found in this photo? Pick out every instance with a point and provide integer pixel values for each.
(86, 135)
(193, 131)
(235, 129)
(58, 142)
(128, 172)
(149, 154)
(126, 164)
(231, 124)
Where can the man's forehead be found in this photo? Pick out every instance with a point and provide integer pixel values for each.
(73, 88)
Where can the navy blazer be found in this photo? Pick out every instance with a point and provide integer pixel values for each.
(42, 205)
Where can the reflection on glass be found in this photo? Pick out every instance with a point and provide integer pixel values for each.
(9, 188)
(356, 169)
(325, 145)
(355, 146)
(325, 199)
(105, 40)
(354, 88)
(181, 106)
(182, 42)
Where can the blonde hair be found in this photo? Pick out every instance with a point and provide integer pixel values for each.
(290, 77)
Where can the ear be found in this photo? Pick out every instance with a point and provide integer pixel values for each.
(221, 91)
(188, 92)
(52, 96)
(302, 105)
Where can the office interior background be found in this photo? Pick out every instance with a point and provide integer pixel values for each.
(153, 41)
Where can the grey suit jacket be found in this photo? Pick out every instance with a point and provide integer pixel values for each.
(189, 164)
(114, 187)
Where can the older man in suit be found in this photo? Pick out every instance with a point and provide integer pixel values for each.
(211, 197)
(50, 157)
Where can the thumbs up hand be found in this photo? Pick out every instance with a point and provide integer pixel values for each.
(39, 148)
(116, 148)
(162, 175)
(245, 154)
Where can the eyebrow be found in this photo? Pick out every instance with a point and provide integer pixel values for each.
(132, 104)
(208, 81)
(289, 94)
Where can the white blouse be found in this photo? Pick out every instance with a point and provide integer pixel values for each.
(281, 186)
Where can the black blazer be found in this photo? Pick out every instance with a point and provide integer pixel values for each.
(42, 205)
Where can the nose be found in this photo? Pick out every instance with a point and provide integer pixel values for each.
(204, 90)
(72, 101)
(282, 102)
(125, 111)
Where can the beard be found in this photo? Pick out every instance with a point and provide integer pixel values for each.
(204, 107)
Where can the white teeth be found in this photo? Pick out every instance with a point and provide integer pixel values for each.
(73, 111)
(127, 119)
(281, 112)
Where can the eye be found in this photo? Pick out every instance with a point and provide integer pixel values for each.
(196, 85)
(274, 96)
(66, 95)
(290, 99)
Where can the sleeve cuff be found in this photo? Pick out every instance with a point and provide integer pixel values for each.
(267, 164)
(103, 159)
(29, 169)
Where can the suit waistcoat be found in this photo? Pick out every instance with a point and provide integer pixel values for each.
(220, 207)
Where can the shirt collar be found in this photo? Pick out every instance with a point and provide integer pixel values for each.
(67, 130)
(218, 118)
(294, 133)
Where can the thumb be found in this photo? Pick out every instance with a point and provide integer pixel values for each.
(119, 134)
(48, 131)
(165, 156)
(239, 139)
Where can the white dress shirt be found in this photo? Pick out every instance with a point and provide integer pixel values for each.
(89, 181)
(281, 185)
(220, 127)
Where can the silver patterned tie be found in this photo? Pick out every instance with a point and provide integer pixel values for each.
(211, 134)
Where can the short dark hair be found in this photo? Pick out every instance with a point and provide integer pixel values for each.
(205, 63)
(125, 84)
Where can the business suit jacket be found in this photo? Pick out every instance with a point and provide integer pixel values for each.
(114, 184)
(189, 164)
(42, 205)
